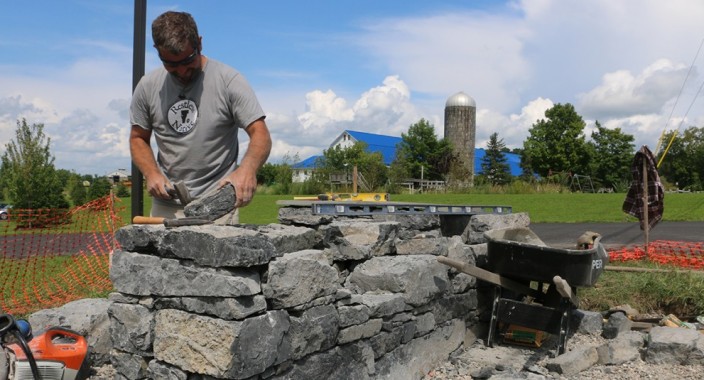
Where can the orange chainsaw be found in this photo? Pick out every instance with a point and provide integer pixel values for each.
(56, 354)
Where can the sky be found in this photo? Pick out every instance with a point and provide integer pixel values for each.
(321, 67)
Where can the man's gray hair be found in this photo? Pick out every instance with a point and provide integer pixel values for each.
(175, 32)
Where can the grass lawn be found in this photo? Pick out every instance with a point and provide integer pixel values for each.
(541, 208)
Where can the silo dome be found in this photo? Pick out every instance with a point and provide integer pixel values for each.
(460, 99)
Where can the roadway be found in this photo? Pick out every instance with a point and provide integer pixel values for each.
(565, 235)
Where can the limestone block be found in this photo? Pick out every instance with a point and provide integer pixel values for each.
(573, 362)
(299, 277)
(587, 322)
(302, 216)
(436, 246)
(625, 348)
(615, 325)
(163, 371)
(419, 277)
(674, 345)
(353, 315)
(140, 237)
(425, 323)
(230, 308)
(355, 240)
(131, 328)
(138, 274)
(219, 246)
(386, 341)
(289, 238)
(383, 304)
(453, 306)
(131, 366)
(474, 234)
(314, 330)
(219, 348)
(417, 357)
(354, 361)
(356, 332)
(410, 225)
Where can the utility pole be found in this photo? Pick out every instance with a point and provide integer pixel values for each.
(139, 45)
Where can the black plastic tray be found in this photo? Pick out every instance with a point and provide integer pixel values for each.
(520, 254)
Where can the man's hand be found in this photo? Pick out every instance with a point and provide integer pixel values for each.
(143, 157)
(244, 178)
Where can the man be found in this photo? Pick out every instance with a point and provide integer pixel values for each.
(194, 106)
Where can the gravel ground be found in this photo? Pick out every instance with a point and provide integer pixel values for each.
(515, 362)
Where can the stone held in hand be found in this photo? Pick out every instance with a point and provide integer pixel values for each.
(213, 205)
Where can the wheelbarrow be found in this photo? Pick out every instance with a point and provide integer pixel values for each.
(535, 286)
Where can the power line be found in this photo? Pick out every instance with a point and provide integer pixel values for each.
(691, 66)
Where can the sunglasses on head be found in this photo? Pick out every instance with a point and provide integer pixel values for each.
(184, 62)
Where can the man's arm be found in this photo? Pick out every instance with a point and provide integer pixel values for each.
(244, 178)
(143, 157)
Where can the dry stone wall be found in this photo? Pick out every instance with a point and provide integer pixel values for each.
(314, 297)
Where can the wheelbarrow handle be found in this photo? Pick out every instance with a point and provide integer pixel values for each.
(491, 277)
(565, 290)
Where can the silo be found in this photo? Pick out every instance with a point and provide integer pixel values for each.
(460, 130)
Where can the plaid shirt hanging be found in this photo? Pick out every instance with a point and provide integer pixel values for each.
(633, 205)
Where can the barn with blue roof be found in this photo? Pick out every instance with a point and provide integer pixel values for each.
(386, 145)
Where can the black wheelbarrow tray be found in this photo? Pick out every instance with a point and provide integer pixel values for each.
(518, 253)
(515, 258)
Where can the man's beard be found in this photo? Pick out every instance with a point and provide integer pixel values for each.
(192, 75)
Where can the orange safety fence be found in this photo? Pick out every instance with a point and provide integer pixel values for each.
(53, 256)
(683, 254)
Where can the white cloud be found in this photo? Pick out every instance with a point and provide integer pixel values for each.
(621, 93)
(441, 54)
(385, 109)
(513, 129)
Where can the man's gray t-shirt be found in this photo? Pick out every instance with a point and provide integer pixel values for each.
(195, 126)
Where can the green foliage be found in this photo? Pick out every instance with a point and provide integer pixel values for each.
(494, 164)
(122, 191)
(341, 161)
(99, 188)
(28, 171)
(683, 163)
(267, 174)
(278, 177)
(671, 292)
(613, 153)
(420, 150)
(557, 144)
(77, 192)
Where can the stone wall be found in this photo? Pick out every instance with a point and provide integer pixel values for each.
(315, 297)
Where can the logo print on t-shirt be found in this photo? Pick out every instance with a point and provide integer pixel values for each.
(183, 116)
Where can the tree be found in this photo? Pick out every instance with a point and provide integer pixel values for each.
(420, 150)
(558, 143)
(266, 175)
(342, 160)
(28, 170)
(99, 188)
(494, 163)
(683, 163)
(612, 157)
(77, 190)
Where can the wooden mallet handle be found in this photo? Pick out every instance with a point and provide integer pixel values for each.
(147, 220)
